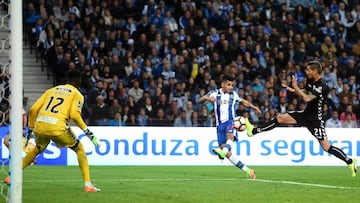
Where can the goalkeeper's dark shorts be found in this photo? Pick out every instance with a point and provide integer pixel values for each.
(312, 122)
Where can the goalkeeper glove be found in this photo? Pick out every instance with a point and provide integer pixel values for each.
(28, 136)
(92, 137)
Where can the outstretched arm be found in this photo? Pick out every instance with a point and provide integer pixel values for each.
(250, 105)
(206, 98)
(296, 89)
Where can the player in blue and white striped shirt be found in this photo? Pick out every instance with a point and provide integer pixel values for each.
(225, 102)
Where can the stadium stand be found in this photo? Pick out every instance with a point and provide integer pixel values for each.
(144, 62)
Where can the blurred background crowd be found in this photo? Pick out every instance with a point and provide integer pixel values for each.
(146, 62)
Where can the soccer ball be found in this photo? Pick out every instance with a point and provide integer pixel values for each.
(239, 123)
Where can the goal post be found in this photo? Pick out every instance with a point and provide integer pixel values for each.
(16, 98)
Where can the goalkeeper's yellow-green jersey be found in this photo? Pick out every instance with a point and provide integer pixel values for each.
(53, 111)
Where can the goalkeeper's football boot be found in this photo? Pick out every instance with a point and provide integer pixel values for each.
(7, 180)
(251, 173)
(249, 128)
(221, 154)
(353, 167)
(91, 188)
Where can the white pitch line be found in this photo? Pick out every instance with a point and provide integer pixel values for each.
(196, 179)
(305, 184)
(137, 180)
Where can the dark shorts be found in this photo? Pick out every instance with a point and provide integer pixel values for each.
(311, 121)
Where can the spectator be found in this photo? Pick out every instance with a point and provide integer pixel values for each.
(246, 40)
(182, 120)
(150, 109)
(329, 77)
(204, 116)
(132, 121)
(119, 50)
(143, 118)
(115, 107)
(110, 97)
(131, 104)
(135, 91)
(116, 121)
(328, 32)
(334, 97)
(171, 22)
(195, 119)
(348, 110)
(149, 9)
(300, 53)
(173, 111)
(327, 46)
(157, 19)
(184, 19)
(73, 9)
(167, 73)
(349, 122)
(160, 119)
(31, 14)
(283, 105)
(100, 113)
(334, 121)
(162, 102)
(257, 85)
(188, 108)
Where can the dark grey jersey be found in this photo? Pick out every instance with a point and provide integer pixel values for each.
(320, 90)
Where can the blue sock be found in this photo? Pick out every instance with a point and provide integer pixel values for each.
(240, 164)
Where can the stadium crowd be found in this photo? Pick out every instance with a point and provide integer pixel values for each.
(146, 62)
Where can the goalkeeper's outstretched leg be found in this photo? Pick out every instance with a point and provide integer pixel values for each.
(28, 159)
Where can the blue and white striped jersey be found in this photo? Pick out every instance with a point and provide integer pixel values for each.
(225, 105)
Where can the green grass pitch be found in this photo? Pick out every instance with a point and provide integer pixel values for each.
(219, 184)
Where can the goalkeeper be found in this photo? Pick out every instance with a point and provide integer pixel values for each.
(50, 118)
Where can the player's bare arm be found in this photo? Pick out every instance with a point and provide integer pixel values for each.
(206, 98)
(311, 96)
(289, 89)
(304, 96)
(250, 105)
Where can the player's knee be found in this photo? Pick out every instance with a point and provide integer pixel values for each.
(229, 136)
(325, 145)
(325, 148)
(7, 143)
(280, 118)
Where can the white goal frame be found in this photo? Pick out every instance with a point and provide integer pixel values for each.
(16, 98)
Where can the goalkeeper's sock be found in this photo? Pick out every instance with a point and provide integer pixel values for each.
(267, 126)
(30, 156)
(88, 184)
(234, 160)
(83, 162)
